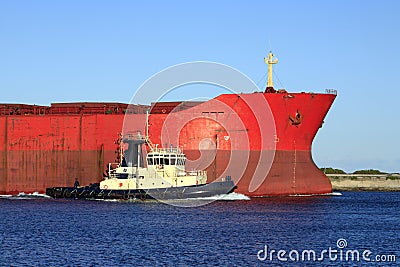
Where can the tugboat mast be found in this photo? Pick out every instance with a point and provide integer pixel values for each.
(147, 138)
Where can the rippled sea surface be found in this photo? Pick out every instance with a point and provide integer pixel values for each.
(47, 232)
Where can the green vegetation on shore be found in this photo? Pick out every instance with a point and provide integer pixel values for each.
(330, 170)
(370, 171)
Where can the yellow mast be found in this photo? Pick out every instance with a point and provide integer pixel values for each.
(270, 61)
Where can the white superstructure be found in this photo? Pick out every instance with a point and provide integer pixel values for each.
(165, 168)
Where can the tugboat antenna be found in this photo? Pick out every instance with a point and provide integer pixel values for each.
(147, 124)
(147, 139)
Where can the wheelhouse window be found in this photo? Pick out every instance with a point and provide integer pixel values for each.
(150, 160)
(181, 160)
(173, 159)
(166, 159)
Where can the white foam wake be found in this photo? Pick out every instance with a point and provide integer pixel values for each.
(316, 195)
(23, 195)
(226, 197)
(105, 200)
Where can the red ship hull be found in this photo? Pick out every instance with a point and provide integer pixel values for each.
(267, 153)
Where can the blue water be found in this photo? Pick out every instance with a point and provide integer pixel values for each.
(47, 232)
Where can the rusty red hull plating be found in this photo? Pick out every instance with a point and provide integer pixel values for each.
(262, 140)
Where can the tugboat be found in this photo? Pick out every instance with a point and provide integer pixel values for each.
(165, 177)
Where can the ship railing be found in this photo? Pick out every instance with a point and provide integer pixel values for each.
(113, 165)
(196, 173)
(167, 150)
(134, 136)
(331, 91)
(111, 169)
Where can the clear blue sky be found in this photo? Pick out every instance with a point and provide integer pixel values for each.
(59, 51)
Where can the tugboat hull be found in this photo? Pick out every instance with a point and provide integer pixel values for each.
(94, 192)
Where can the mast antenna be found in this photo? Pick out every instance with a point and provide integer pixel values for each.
(147, 138)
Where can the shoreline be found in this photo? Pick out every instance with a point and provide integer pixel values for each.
(365, 182)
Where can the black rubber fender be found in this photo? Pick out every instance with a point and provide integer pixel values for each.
(67, 193)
